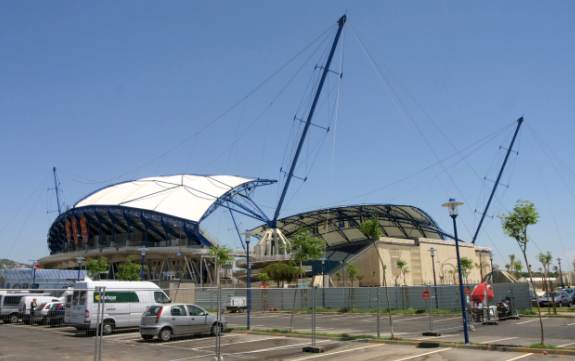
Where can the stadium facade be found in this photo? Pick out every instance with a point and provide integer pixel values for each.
(154, 220)
(408, 234)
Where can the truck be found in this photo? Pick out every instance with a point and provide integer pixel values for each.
(236, 304)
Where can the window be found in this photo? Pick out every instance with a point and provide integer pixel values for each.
(161, 297)
(178, 311)
(153, 311)
(195, 311)
(12, 300)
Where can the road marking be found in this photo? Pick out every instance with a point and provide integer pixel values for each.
(532, 320)
(519, 357)
(410, 319)
(501, 339)
(190, 340)
(336, 352)
(566, 344)
(447, 319)
(277, 347)
(243, 342)
(422, 354)
(570, 324)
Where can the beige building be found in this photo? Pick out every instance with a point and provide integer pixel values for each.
(418, 262)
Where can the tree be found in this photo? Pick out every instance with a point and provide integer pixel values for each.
(97, 266)
(515, 267)
(545, 259)
(264, 278)
(403, 270)
(222, 257)
(129, 271)
(371, 228)
(515, 225)
(466, 267)
(281, 272)
(304, 247)
(352, 272)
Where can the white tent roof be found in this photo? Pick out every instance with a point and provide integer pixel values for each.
(185, 196)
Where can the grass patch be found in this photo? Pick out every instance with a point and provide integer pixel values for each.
(542, 346)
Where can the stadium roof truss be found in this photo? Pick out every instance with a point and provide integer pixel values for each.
(339, 226)
(161, 209)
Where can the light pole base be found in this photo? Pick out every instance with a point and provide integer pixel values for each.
(431, 333)
(312, 349)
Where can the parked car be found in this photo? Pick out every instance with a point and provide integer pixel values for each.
(547, 299)
(237, 304)
(125, 302)
(56, 314)
(10, 304)
(25, 306)
(175, 320)
(565, 297)
(40, 314)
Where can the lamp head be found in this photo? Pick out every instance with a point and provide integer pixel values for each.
(432, 250)
(143, 251)
(452, 206)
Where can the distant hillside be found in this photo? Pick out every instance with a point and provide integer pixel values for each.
(8, 263)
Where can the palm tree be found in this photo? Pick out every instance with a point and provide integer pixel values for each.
(546, 259)
(403, 270)
(371, 228)
(515, 225)
(466, 267)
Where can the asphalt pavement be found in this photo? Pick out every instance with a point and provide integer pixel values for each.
(39, 343)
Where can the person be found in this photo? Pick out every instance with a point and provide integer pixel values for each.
(33, 306)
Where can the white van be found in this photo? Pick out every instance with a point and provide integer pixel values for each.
(9, 305)
(125, 302)
(25, 302)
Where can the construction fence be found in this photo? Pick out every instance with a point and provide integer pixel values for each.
(349, 299)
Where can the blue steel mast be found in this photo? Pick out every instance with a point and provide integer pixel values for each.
(340, 23)
(57, 190)
(519, 122)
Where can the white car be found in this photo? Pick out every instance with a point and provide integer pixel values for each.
(40, 314)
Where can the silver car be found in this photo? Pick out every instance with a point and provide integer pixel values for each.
(175, 320)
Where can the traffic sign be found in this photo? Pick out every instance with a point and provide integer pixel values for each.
(425, 295)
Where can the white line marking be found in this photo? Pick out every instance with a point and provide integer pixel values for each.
(501, 339)
(191, 340)
(277, 348)
(410, 319)
(519, 357)
(243, 342)
(566, 344)
(422, 354)
(532, 320)
(336, 352)
(570, 324)
(447, 319)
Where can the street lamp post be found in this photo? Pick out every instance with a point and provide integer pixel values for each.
(142, 260)
(248, 283)
(34, 264)
(452, 207)
(432, 252)
(80, 261)
(560, 273)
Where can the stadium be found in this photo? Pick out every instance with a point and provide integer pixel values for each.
(154, 220)
(408, 234)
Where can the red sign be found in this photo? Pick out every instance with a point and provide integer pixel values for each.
(425, 295)
(467, 291)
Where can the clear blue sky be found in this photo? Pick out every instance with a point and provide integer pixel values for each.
(116, 90)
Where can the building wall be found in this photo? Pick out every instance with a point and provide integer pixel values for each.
(419, 263)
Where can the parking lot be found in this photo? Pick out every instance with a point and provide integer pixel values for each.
(25, 342)
(559, 331)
